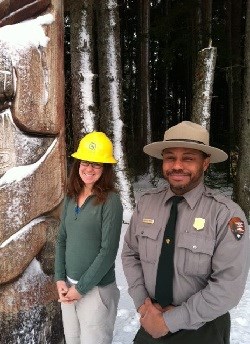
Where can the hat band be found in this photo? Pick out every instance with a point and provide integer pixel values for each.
(186, 140)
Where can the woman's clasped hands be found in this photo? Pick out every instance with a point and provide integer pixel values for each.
(67, 294)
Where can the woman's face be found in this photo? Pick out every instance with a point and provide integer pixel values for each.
(90, 172)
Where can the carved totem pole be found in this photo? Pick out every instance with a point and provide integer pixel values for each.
(32, 168)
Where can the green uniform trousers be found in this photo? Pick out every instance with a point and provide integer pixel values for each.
(216, 331)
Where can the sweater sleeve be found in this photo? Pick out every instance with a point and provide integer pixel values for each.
(111, 230)
(60, 273)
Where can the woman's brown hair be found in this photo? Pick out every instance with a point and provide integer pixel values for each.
(101, 188)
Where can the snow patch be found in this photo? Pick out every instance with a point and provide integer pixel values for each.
(22, 231)
(25, 144)
(16, 174)
(18, 38)
(126, 215)
(26, 34)
(209, 76)
(242, 321)
(33, 272)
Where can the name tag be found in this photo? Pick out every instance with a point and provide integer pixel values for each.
(149, 221)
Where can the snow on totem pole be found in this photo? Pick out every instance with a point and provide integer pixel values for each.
(32, 168)
(203, 86)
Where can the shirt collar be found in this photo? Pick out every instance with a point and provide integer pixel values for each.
(191, 196)
(194, 195)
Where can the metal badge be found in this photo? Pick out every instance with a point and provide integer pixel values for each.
(199, 223)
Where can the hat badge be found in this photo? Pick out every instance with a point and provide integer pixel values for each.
(92, 146)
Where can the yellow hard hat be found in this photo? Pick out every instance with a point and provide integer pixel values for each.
(95, 147)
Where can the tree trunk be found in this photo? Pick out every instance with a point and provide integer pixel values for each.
(206, 19)
(203, 87)
(195, 47)
(130, 96)
(233, 11)
(242, 183)
(201, 37)
(82, 70)
(144, 127)
(229, 78)
(237, 63)
(110, 89)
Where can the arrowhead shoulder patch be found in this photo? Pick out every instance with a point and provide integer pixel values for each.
(237, 227)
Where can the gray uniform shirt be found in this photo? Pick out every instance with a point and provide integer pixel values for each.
(210, 264)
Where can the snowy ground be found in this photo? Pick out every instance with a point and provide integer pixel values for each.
(127, 320)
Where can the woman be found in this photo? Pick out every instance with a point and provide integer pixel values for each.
(87, 245)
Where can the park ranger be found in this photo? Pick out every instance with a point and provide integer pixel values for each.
(186, 251)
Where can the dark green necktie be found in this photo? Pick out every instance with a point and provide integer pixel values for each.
(165, 272)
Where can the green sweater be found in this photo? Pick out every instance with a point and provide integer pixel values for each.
(88, 241)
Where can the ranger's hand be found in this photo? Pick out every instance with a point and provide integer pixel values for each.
(163, 309)
(153, 321)
(142, 310)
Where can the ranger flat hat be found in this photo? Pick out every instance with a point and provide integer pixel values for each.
(187, 135)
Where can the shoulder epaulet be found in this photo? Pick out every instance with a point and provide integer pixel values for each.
(154, 191)
(220, 197)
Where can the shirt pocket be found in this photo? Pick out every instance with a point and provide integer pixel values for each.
(195, 254)
(148, 243)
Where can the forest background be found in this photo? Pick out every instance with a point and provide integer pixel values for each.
(131, 69)
(142, 56)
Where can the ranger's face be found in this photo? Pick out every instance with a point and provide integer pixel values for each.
(183, 168)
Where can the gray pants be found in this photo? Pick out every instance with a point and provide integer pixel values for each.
(91, 319)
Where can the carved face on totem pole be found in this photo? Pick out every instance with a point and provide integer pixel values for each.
(32, 161)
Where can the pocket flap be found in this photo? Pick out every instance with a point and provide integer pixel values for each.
(148, 231)
(196, 243)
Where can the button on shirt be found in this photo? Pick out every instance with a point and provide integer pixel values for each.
(210, 265)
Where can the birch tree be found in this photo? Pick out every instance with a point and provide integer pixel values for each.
(84, 114)
(110, 89)
(242, 184)
(203, 87)
(201, 37)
